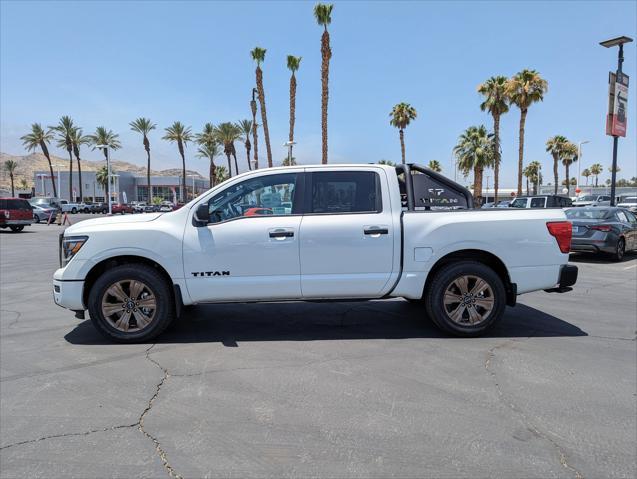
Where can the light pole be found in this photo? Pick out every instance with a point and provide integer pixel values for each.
(579, 163)
(289, 144)
(57, 165)
(41, 176)
(193, 184)
(108, 178)
(616, 42)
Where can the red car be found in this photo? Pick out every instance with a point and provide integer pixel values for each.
(257, 212)
(121, 208)
(15, 213)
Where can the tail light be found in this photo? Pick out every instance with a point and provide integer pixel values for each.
(562, 231)
(600, 227)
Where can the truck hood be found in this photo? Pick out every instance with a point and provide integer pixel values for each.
(112, 220)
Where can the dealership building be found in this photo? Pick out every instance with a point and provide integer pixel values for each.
(126, 186)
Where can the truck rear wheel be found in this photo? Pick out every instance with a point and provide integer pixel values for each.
(131, 304)
(465, 298)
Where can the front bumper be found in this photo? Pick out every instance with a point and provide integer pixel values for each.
(68, 294)
(568, 277)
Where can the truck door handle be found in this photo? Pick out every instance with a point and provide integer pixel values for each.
(376, 231)
(281, 234)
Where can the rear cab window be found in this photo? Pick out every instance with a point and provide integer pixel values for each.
(342, 192)
(14, 204)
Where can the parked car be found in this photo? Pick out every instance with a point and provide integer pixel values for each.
(46, 201)
(166, 207)
(15, 214)
(628, 202)
(603, 229)
(258, 212)
(150, 208)
(592, 200)
(541, 201)
(69, 207)
(121, 208)
(43, 213)
(98, 208)
(87, 206)
(345, 237)
(138, 206)
(501, 204)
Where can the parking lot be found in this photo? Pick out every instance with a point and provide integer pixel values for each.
(318, 389)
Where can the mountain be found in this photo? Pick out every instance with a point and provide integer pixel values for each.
(29, 164)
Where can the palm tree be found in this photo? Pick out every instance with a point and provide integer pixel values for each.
(524, 89)
(10, 166)
(253, 108)
(288, 161)
(101, 177)
(78, 139)
(532, 173)
(226, 134)
(496, 103)
(258, 55)
(401, 115)
(221, 174)
(293, 65)
(102, 136)
(64, 130)
(586, 173)
(569, 156)
(23, 184)
(323, 15)
(180, 134)
(555, 147)
(245, 127)
(144, 126)
(474, 151)
(40, 138)
(435, 166)
(596, 170)
(208, 148)
(386, 162)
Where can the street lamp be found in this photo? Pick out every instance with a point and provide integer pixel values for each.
(616, 42)
(289, 144)
(57, 165)
(108, 177)
(579, 163)
(193, 183)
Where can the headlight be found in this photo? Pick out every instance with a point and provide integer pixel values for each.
(69, 246)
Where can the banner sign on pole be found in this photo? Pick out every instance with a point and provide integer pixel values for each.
(616, 119)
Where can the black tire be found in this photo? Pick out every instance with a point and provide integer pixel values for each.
(444, 278)
(163, 315)
(104, 211)
(620, 250)
(73, 211)
(36, 218)
(17, 229)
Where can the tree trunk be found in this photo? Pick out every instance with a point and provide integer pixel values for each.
(229, 164)
(70, 150)
(496, 166)
(248, 145)
(253, 107)
(326, 54)
(212, 172)
(596, 177)
(477, 186)
(521, 150)
(555, 174)
(183, 176)
(150, 187)
(264, 116)
(45, 150)
(236, 165)
(292, 105)
(568, 178)
(12, 188)
(108, 183)
(402, 145)
(79, 175)
(528, 190)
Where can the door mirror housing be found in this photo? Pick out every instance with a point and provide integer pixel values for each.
(202, 215)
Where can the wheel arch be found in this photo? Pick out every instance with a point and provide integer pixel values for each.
(480, 256)
(99, 268)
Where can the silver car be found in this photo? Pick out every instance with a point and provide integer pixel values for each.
(43, 213)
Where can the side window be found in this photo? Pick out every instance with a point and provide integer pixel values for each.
(621, 216)
(537, 202)
(566, 202)
(631, 217)
(518, 203)
(604, 198)
(261, 196)
(335, 192)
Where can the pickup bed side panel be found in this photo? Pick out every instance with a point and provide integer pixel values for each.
(519, 239)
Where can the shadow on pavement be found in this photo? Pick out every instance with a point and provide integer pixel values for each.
(599, 258)
(231, 324)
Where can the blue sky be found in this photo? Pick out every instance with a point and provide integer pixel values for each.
(106, 63)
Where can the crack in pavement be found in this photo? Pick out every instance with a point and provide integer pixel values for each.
(69, 434)
(516, 409)
(160, 451)
(14, 321)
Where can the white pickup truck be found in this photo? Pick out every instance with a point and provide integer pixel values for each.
(352, 232)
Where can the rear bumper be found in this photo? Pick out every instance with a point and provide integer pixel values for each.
(16, 222)
(568, 277)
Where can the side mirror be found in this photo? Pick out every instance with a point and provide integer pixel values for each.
(202, 215)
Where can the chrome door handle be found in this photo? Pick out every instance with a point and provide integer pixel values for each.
(376, 231)
(281, 234)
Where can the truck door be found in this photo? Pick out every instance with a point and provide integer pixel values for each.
(250, 248)
(347, 234)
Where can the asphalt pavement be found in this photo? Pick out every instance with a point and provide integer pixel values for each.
(338, 390)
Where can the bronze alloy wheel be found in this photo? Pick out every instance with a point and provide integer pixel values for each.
(468, 300)
(129, 305)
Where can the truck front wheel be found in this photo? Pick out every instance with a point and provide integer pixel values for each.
(465, 298)
(131, 303)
